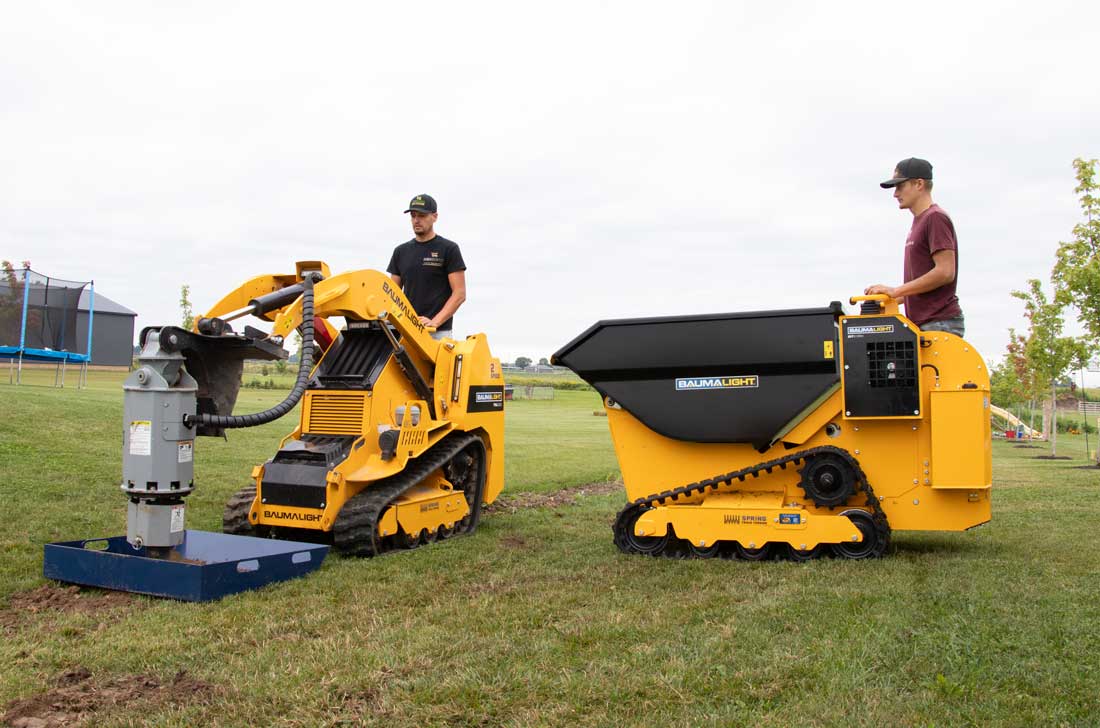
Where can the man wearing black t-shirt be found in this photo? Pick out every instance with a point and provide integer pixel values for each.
(430, 270)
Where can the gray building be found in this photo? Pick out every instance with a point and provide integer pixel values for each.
(112, 331)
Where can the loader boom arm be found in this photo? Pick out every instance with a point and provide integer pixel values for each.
(362, 295)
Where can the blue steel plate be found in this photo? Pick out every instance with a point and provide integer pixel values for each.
(206, 566)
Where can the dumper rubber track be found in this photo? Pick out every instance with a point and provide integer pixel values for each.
(671, 546)
(355, 532)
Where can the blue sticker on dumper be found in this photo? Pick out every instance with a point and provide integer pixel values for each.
(790, 519)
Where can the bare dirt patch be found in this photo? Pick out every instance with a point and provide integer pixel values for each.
(62, 599)
(513, 542)
(563, 497)
(77, 697)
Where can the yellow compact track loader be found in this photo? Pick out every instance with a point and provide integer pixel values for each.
(789, 433)
(400, 439)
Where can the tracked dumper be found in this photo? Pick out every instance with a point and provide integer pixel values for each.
(789, 433)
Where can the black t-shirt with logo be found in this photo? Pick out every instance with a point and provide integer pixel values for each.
(423, 268)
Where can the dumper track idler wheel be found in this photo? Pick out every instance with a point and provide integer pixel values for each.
(875, 539)
(235, 516)
(355, 532)
(623, 527)
(829, 480)
(629, 542)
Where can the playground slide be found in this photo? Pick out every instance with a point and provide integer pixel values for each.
(1014, 423)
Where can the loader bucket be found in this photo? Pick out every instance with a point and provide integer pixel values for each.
(760, 370)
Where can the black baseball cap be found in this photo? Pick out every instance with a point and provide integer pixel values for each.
(911, 168)
(422, 203)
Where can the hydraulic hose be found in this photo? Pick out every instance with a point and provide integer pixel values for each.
(304, 368)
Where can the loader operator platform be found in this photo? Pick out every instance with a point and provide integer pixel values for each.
(430, 270)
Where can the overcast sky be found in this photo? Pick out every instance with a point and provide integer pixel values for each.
(594, 160)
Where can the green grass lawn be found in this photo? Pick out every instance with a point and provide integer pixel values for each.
(537, 619)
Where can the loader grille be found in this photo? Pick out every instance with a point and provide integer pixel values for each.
(413, 438)
(892, 364)
(335, 414)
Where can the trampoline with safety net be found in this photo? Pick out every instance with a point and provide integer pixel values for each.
(38, 317)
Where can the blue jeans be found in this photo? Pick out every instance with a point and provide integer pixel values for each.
(955, 326)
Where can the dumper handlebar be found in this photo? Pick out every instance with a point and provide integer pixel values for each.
(882, 297)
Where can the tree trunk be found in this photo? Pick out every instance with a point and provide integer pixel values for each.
(1046, 419)
(1053, 421)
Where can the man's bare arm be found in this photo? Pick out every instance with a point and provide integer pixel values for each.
(942, 273)
(457, 280)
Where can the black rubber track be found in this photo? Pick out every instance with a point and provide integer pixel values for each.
(235, 517)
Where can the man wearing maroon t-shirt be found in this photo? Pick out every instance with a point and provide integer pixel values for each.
(931, 253)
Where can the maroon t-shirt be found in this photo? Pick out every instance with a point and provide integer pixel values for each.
(932, 232)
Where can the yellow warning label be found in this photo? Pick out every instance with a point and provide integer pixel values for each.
(828, 350)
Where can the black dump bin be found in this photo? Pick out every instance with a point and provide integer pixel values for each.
(728, 377)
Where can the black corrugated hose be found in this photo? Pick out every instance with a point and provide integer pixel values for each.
(270, 415)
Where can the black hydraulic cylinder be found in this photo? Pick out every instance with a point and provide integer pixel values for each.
(276, 299)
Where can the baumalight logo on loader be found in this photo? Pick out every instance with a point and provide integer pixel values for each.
(741, 382)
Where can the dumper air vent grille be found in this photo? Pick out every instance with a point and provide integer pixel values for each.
(891, 364)
(335, 414)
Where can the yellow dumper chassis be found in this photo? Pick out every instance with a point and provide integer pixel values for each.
(649, 525)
